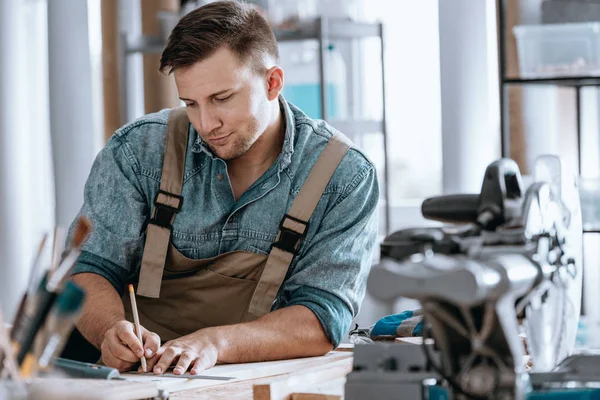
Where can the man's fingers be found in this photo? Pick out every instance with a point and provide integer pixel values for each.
(185, 359)
(151, 342)
(127, 336)
(111, 360)
(151, 362)
(120, 350)
(167, 358)
(202, 363)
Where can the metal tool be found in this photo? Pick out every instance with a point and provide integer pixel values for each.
(185, 376)
(514, 267)
(78, 369)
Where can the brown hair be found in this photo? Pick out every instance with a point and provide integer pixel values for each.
(203, 31)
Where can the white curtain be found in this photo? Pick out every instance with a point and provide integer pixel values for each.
(50, 125)
(26, 178)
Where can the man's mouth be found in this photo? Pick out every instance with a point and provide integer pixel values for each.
(221, 140)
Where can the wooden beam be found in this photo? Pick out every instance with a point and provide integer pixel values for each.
(110, 67)
(283, 387)
(159, 90)
(349, 347)
(314, 396)
(517, 139)
(241, 372)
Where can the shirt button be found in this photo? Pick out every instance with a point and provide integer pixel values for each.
(220, 177)
(264, 185)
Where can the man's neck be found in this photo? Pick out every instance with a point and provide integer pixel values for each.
(245, 170)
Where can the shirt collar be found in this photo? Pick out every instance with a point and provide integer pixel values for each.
(285, 157)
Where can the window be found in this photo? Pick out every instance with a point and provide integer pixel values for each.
(413, 104)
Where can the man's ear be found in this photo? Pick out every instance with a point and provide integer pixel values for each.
(274, 77)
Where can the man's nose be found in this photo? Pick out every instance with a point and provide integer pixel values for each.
(209, 121)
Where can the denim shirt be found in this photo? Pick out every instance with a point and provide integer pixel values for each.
(329, 273)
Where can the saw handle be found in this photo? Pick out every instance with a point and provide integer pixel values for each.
(454, 208)
(491, 208)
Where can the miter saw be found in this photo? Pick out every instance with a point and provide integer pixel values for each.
(507, 266)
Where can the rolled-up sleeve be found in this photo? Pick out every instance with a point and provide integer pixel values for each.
(115, 204)
(330, 274)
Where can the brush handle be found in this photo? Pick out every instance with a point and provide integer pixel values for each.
(24, 345)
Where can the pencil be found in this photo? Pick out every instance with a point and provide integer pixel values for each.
(8, 358)
(136, 320)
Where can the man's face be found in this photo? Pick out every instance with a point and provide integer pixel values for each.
(226, 102)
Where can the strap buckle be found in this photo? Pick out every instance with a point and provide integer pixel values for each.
(290, 240)
(163, 214)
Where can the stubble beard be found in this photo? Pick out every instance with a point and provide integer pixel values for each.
(239, 146)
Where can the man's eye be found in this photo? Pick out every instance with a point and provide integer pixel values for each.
(223, 99)
(190, 104)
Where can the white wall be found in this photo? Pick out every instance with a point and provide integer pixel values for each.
(26, 187)
(74, 37)
(413, 103)
(443, 106)
(470, 96)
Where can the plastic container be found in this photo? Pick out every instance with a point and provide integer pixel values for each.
(302, 83)
(589, 193)
(339, 8)
(168, 19)
(558, 49)
(290, 14)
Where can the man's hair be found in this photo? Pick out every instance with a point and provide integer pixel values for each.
(236, 25)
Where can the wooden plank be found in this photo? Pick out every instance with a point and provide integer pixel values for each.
(231, 391)
(281, 388)
(111, 58)
(516, 123)
(314, 396)
(159, 90)
(345, 347)
(241, 372)
(244, 390)
(413, 340)
(91, 389)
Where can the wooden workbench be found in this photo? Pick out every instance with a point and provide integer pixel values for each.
(314, 378)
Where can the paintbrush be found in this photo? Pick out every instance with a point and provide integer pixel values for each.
(46, 296)
(80, 234)
(60, 323)
(31, 286)
(33, 274)
(57, 248)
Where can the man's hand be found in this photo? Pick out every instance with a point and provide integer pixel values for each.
(196, 351)
(291, 332)
(121, 348)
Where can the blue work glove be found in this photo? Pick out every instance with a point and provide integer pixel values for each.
(406, 324)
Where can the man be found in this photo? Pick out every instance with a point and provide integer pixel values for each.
(237, 254)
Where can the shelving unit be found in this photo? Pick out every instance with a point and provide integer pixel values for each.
(575, 82)
(323, 30)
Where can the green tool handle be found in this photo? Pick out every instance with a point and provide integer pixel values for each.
(77, 369)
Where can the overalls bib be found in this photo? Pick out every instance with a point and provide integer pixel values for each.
(179, 295)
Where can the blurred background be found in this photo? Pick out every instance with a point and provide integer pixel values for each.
(432, 90)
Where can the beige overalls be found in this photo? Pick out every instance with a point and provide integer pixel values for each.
(179, 295)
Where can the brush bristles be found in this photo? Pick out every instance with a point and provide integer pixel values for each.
(82, 231)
